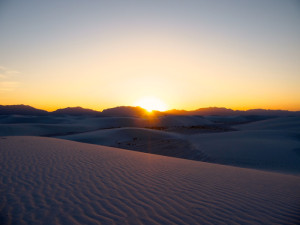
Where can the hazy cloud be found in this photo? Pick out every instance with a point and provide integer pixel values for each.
(4, 70)
(7, 80)
(8, 85)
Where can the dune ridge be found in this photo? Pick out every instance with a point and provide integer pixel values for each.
(257, 142)
(143, 140)
(52, 181)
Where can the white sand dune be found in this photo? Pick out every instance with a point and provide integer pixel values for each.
(281, 123)
(52, 181)
(271, 144)
(140, 139)
(162, 121)
(124, 134)
(13, 119)
(227, 119)
(41, 129)
(112, 122)
(175, 121)
(54, 125)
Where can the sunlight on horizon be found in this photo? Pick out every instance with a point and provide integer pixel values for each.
(190, 54)
(151, 103)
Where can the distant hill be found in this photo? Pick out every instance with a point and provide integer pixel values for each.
(203, 112)
(269, 112)
(76, 111)
(125, 111)
(21, 110)
(130, 111)
(216, 111)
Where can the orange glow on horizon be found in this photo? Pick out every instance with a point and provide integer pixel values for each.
(54, 105)
(151, 103)
(178, 52)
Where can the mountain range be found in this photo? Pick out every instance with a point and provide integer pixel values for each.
(130, 111)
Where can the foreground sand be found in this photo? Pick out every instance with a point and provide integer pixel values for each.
(51, 181)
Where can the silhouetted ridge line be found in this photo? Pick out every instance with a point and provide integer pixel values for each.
(125, 111)
(21, 110)
(216, 111)
(76, 111)
(131, 111)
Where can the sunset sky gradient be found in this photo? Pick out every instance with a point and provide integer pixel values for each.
(189, 54)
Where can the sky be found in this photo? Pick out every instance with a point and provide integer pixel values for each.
(187, 54)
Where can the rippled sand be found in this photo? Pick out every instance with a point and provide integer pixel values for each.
(52, 181)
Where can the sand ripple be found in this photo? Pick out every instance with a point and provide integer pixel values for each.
(51, 181)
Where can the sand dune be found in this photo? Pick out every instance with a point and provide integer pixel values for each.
(268, 150)
(113, 136)
(281, 123)
(228, 119)
(41, 129)
(143, 140)
(50, 126)
(175, 121)
(62, 125)
(271, 144)
(13, 119)
(51, 181)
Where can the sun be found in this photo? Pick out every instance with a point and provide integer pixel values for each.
(151, 103)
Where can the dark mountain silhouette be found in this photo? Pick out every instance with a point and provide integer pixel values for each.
(126, 111)
(204, 111)
(21, 110)
(130, 111)
(76, 111)
(215, 111)
(176, 112)
(269, 112)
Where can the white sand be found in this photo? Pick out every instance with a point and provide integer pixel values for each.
(39, 126)
(16, 125)
(40, 129)
(281, 123)
(125, 134)
(140, 139)
(272, 144)
(51, 181)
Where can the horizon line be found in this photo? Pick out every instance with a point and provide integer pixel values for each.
(209, 107)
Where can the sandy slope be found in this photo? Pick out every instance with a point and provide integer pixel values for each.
(44, 126)
(281, 123)
(15, 125)
(272, 144)
(41, 129)
(269, 150)
(51, 181)
(140, 139)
